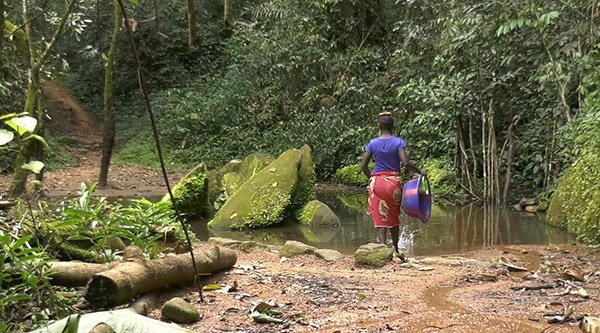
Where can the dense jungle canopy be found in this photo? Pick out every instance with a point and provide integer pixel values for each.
(494, 97)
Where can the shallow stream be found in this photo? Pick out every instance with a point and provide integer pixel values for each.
(450, 229)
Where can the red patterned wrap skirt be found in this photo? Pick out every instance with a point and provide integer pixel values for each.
(385, 195)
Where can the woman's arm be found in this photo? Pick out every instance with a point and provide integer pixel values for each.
(410, 166)
(364, 164)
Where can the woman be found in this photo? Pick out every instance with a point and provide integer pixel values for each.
(385, 184)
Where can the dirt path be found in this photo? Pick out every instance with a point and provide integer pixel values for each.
(68, 118)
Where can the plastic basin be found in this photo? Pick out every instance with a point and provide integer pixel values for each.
(416, 198)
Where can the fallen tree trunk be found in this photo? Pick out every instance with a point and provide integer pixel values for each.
(138, 276)
(75, 273)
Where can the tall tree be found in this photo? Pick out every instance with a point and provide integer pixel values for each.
(2, 39)
(192, 23)
(108, 129)
(226, 13)
(33, 96)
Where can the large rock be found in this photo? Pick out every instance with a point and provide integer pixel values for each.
(253, 164)
(263, 200)
(317, 214)
(224, 182)
(191, 193)
(329, 255)
(179, 311)
(305, 189)
(269, 195)
(373, 254)
(294, 248)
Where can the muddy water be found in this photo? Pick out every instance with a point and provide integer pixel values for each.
(450, 229)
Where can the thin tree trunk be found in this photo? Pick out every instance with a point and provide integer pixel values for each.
(473, 156)
(27, 148)
(108, 130)
(192, 24)
(156, 19)
(226, 13)
(509, 159)
(484, 156)
(2, 39)
(39, 147)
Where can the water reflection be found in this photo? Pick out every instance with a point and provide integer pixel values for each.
(450, 229)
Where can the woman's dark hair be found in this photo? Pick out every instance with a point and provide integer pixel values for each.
(386, 122)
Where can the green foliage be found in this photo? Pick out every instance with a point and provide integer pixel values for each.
(443, 179)
(25, 285)
(94, 221)
(574, 203)
(352, 175)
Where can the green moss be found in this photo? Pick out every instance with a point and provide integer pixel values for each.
(253, 164)
(575, 202)
(442, 179)
(269, 207)
(232, 181)
(316, 213)
(290, 249)
(352, 175)
(377, 256)
(262, 200)
(305, 189)
(191, 193)
(308, 213)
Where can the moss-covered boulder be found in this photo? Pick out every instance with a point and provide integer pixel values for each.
(305, 189)
(264, 199)
(232, 182)
(372, 254)
(191, 193)
(575, 204)
(225, 181)
(253, 164)
(352, 175)
(317, 214)
(294, 248)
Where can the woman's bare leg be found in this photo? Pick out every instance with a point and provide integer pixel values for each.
(382, 235)
(395, 232)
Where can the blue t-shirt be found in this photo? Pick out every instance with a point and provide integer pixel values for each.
(385, 151)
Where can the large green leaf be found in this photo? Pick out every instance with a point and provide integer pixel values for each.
(34, 166)
(6, 137)
(22, 125)
(123, 320)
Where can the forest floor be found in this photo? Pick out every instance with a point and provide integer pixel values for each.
(316, 296)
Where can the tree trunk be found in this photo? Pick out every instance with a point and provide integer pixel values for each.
(75, 273)
(108, 130)
(509, 158)
(28, 147)
(192, 23)
(130, 278)
(226, 13)
(157, 20)
(2, 39)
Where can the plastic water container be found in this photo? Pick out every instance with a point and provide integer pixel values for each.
(416, 198)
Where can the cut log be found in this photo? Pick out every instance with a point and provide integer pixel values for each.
(128, 279)
(75, 273)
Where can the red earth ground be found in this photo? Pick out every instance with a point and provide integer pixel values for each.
(317, 296)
